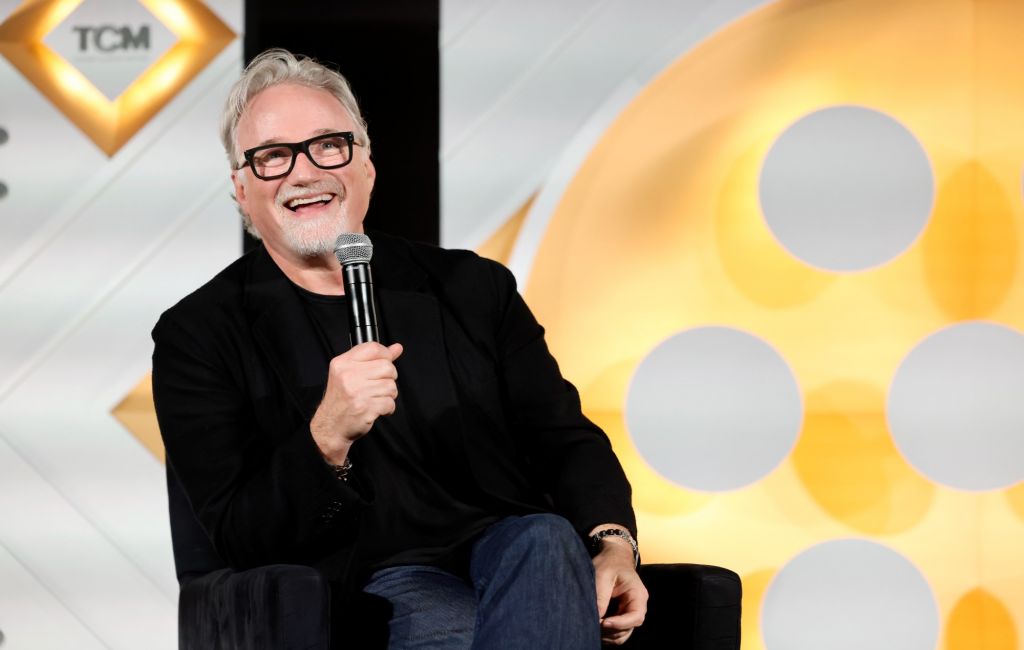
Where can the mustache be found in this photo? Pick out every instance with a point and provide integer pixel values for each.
(325, 185)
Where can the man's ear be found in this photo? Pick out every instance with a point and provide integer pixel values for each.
(370, 170)
(239, 186)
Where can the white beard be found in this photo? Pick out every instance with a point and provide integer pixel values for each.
(312, 238)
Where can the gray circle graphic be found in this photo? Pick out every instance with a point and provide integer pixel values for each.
(956, 406)
(846, 188)
(713, 409)
(3, 190)
(4, 136)
(849, 594)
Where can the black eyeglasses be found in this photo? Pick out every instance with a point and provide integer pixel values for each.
(327, 151)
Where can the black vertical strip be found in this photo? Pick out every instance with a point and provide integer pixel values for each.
(388, 50)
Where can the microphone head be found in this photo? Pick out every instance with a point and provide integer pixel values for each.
(353, 247)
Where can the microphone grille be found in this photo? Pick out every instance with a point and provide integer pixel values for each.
(353, 247)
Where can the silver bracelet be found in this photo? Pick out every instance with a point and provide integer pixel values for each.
(595, 541)
(341, 471)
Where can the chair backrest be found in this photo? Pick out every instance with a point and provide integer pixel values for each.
(194, 554)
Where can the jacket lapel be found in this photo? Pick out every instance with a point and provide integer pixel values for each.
(452, 383)
(410, 315)
(285, 334)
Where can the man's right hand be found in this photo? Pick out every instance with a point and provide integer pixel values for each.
(361, 386)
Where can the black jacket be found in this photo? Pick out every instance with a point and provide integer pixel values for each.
(238, 373)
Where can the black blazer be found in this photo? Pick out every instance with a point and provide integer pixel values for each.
(238, 372)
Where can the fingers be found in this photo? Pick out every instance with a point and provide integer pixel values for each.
(604, 596)
(623, 621)
(362, 385)
(617, 637)
(371, 353)
(384, 405)
(376, 389)
(368, 361)
(616, 577)
(372, 350)
(630, 612)
(616, 629)
(396, 350)
(621, 586)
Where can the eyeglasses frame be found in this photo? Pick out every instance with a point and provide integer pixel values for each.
(296, 148)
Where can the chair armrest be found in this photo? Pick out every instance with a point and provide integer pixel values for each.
(285, 607)
(691, 607)
(273, 607)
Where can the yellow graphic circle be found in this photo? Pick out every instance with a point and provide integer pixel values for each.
(660, 231)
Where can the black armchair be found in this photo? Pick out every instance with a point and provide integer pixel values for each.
(284, 607)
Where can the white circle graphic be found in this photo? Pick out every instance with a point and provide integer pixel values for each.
(713, 409)
(956, 406)
(846, 188)
(849, 595)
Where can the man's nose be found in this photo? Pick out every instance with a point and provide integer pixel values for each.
(304, 167)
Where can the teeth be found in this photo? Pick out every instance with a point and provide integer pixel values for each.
(294, 203)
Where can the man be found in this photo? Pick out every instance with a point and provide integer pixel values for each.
(450, 473)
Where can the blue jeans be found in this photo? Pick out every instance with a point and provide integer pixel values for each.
(531, 587)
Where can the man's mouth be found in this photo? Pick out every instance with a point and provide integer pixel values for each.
(306, 202)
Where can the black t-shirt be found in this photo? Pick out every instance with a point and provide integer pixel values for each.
(426, 506)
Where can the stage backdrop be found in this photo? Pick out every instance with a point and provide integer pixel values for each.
(775, 244)
(777, 247)
(114, 203)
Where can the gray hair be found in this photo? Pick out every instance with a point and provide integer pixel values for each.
(279, 66)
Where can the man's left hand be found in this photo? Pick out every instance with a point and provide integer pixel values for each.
(621, 596)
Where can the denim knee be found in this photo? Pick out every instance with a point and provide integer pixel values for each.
(548, 528)
(535, 586)
(545, 535)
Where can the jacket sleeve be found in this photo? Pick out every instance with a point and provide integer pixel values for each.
(263, 496)
(570, 454)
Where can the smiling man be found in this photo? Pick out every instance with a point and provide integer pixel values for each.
(451, 474)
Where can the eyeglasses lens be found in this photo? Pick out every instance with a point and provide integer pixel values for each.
(329, 151)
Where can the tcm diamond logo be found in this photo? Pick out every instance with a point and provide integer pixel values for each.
(111, 42)
(110, 65)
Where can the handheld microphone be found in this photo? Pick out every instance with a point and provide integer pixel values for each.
(354, 251)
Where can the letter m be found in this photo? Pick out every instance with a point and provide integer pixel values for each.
(135, 41)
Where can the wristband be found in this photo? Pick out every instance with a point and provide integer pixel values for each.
(595, 541)
(341, 471)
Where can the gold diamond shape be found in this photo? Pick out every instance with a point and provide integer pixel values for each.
(137, 414)
(201, 36)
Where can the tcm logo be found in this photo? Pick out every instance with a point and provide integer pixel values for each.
(110, 38)
(111, 65)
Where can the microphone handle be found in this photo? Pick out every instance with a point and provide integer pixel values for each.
(362, 307)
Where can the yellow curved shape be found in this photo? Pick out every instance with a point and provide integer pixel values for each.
(755, 584)
(660, 231)
(980, 621)
(970, 263)
(850, 466)
(755, 262)
(1015, 496)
